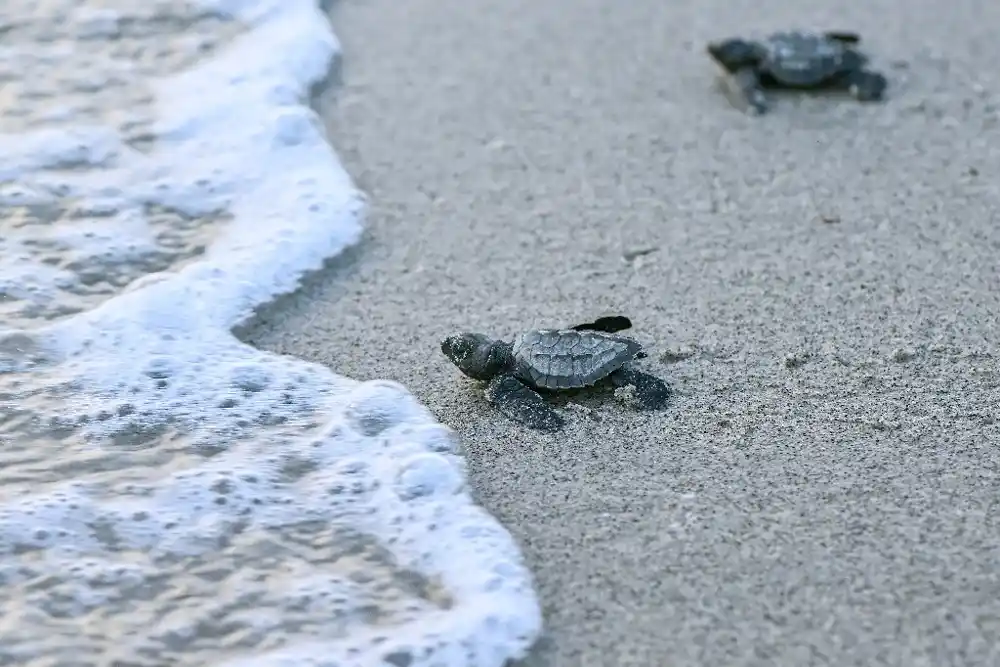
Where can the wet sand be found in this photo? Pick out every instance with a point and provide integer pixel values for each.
(820, 289)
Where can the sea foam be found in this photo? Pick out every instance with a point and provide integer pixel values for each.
(221, 450)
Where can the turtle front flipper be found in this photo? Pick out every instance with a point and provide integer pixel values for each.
(608, 324)
(843, 36)
(519, 402)
(745, 91)
(651, 393)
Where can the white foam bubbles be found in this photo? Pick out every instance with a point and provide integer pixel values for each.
(395, 564)
(47, 149)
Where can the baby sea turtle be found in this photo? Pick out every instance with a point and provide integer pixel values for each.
(797, 60)
(552, 360)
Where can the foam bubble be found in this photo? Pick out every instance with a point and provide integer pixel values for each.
(379, 405)
(124, 343)
(426, 475)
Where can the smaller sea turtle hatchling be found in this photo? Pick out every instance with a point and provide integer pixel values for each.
(552, 360)
(797, 60)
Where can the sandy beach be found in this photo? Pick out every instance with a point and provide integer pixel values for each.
(819, 286)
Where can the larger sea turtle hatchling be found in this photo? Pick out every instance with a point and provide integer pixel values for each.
(544, 360)
(796, 60)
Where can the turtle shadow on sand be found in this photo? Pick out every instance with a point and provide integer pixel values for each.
(520, 375)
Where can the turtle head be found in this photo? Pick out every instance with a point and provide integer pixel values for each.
(473, 353)
(734, 54)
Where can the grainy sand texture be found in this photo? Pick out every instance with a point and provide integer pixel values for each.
(821, 291)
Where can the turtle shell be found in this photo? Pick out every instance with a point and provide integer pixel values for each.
(559, 359)
(802, 58)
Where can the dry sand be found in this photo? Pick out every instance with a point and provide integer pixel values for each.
(823, 488)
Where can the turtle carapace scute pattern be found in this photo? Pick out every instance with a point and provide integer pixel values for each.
(544, 360)
(796, 60)
(569, 359)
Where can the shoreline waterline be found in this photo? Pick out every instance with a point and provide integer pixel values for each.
(204, 454)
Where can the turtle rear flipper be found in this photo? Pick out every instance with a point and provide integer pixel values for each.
(520, 403)
(651, 393)
(864, 85)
